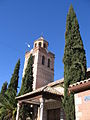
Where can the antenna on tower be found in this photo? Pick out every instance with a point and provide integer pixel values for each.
(41, 34)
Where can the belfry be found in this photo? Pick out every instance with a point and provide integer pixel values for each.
(43, 67)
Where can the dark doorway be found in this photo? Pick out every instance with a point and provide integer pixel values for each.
(53, 114)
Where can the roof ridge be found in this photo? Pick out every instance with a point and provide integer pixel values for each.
(81, 82)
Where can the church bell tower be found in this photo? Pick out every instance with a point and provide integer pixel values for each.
(43, 67)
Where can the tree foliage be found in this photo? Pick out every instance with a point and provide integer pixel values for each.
(8, 106)
(14, 79)
(74, 60)
(26, 87)
(8, 102)
(4, 88)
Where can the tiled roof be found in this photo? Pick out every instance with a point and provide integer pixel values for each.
(80, 86)
(81, 82)
(30, 93)
(56, 82)
(40, 38)
(51, 90)
(45, 89)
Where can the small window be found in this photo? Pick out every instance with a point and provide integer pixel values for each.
(35, 44)
(44, 45)
(49, 63)
(43, 60)
(39, 44)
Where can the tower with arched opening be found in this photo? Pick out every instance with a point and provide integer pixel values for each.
(43, 67)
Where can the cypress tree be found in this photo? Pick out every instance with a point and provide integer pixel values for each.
(14, 79)
(8, 102)
(74, 60)
(4, 88)
(26, 87)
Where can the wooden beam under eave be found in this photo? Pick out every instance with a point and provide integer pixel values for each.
(52, 96)
(31, 102)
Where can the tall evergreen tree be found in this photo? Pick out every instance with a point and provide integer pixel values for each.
(74, 60)
(14, 79)
(4, 88)
(8, 102)
(26, 87)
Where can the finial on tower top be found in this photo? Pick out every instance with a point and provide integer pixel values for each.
(41, 34)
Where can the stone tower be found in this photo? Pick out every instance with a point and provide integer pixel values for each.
(43, 67)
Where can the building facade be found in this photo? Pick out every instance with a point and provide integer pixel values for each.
(46, 102)
(82, 99)
(46, 95)
(43, 67)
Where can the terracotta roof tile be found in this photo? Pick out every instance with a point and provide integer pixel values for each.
(48, 88)
(42, 89)
(81, 82)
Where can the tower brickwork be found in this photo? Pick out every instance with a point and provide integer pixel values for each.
(43, 67)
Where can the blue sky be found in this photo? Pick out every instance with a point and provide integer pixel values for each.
(24, 20)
